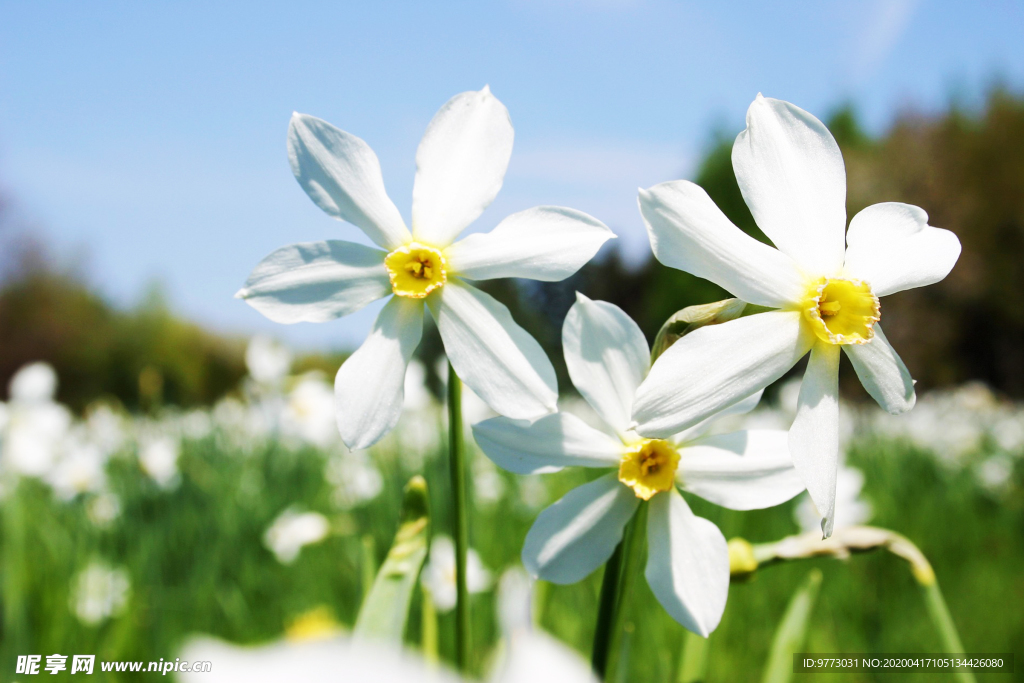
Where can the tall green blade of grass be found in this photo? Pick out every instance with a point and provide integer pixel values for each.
(792, 631)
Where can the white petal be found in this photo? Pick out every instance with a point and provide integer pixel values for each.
(547, 445)
(741, 407)
(745, 470)
(687, 564)
(460, 165)
(370, 386)
(690, 233)
(892, 247)
(341, 174)
(579, 533)
(814, 436)
(547, 243)
(883, 373)
(316, 281)
(791, 173)
(715, 367)
(499, 360)
(607, 356)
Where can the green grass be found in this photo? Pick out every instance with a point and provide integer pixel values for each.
(197, 564)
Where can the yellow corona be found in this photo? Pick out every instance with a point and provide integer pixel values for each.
(649, 467)
(416, 270)
(842, 311)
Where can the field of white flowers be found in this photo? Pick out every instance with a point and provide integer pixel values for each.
(127, 536)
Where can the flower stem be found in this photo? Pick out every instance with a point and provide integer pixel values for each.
(460, 528)
(615, 589)
(943, 621)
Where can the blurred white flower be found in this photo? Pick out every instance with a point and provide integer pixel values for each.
(105, 428)
(851, 509)
(159, 459)
(1008, 432)
(80, 469)
(419, 435)
(309, 661)
(438, 575)
(354, 477)
(488, 486)
(533, 492)
(308, 413)
(196, 424)
(292, 530)
(34, 383)
(268, 360)
(239, 426)
(35, 424)
(98, 593)
(417, 395)
(530, 655)
(994, 472)
(103, 509)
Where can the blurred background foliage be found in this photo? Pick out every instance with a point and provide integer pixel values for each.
(965, 167)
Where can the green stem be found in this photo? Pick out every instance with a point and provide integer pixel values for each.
(606, 611)
(460, 528)
(943, 621)
(615, 590)
(694, 666)
(429, 640)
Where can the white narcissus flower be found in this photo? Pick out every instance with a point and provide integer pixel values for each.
(80, 469)
(460, 166)
(355, 478)
(308, 412)
(687, 563)
(292, 531)
(529, 656)
(34, 423)
(267, 360)
(99, 592)
(438, 574)
(158, 457)
(791, 173)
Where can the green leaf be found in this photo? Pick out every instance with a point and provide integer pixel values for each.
(386, 608)
(792, 631)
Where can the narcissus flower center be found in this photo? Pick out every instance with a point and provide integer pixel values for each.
(416, 270)
(842, 311)
(649, 467)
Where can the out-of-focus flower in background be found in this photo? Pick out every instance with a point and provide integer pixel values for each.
(99, 592)
(158, 457)
(355, 479)
(35, 424)
(308, 413)
(103, 509)
(267, 360)
(292, 531)
(80, 469)
(438, 575)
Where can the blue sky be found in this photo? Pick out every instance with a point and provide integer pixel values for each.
(148, 139)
